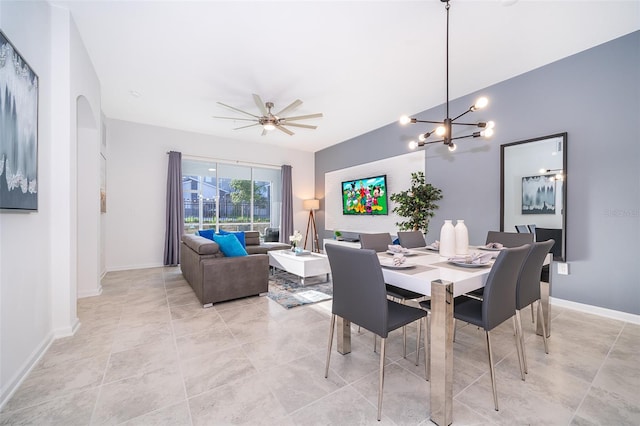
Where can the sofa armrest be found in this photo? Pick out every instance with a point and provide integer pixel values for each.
(229, 278)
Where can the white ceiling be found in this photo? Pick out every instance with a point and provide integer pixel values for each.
(361, 63)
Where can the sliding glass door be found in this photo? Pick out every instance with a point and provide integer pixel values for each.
(230, 197)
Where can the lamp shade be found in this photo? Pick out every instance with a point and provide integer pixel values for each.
(311, 204)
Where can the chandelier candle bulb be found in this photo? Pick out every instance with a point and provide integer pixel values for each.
(462, 237)
(447, 239)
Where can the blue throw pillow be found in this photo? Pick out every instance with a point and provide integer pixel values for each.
(207, 233)
(239, 236)
(230, 245)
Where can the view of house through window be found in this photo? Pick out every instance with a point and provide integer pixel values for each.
(230, 197)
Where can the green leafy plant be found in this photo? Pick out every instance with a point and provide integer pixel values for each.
(417, 204)
(337, 234)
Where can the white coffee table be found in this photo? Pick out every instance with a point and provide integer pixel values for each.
(303, 266)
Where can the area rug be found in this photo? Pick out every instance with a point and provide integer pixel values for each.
(286, 289)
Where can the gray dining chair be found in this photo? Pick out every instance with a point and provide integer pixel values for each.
(498, 304)
(509, 239)
(360, 296)
(522, 229)
(528, 290)
(411, 239)
(379, 242)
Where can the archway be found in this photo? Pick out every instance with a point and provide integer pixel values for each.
(88, 233)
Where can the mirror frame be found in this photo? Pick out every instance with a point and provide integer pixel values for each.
(563, 248)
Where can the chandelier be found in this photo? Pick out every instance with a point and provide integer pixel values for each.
(445, 127)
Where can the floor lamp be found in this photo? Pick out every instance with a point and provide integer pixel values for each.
(311, 205)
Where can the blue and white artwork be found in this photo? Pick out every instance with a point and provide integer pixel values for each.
(18, 130)
(539, 194)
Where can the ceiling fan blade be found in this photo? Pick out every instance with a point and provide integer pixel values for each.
(261, 105)
(302, 117)
(285, 130)
(306, 126)
(234, 118)
(292, 105)
(244, 127)
(236, 109)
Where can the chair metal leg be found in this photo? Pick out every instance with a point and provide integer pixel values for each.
(418, 342)
(493, 373)
(454, 329)
(533, 318)
(427, 347)
(375, 343)
(520, 345)
(544, 331)
(404, 341)
(326, 368)
(381, 382)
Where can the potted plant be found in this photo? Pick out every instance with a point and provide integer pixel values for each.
(337, 235)
(417, 204)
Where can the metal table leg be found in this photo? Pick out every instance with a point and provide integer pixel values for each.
(344, 336)
(441, 352)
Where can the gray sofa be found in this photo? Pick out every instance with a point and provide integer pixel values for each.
(216, 278)
(254, 246)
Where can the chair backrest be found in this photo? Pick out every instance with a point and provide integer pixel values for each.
(411, 239)
(528, 288)
(359, 292)
(499, 299)
(532, 228)
(522, 229)
(509, 239)
(378, 242)
(544, 234)
(271, 235)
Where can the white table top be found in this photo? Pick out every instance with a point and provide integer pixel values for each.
(465, 279)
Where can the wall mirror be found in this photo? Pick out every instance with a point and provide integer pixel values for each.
(533, 189)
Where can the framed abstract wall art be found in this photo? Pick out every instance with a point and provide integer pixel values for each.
(539, 194)
(18, 130)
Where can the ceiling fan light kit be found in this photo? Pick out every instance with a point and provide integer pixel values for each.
(445, 127)
(270, 121)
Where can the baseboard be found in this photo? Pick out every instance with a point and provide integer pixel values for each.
(131, 267)
(23, 372)
(67, 331)
(595, 310)
(91, 293)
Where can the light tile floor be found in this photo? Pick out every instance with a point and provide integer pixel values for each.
(148, 354)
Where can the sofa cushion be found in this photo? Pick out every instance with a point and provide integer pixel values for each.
(207, 233)
(230, 245)
(252, 238)
(200, 244)
(239, 235)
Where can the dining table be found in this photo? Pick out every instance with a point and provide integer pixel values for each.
(424, 271)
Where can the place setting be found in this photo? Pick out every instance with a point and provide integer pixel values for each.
(473, 260)
(398, 261)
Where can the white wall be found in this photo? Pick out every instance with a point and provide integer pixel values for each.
(137, 176)
(25, 310)
(398, 170)
(38, 250)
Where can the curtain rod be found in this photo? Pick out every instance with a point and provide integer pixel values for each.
(242, 163)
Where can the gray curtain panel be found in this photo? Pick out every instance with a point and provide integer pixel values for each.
(286, 227)
(175, 214)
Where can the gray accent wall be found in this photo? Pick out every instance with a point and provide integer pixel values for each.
(594, 96)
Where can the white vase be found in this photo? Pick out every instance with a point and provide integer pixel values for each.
(447, 239)
(462, 237)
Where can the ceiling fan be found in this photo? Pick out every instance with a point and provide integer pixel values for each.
(269, 120)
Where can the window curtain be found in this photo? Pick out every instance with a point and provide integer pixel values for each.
(175, 214)
(286, 225)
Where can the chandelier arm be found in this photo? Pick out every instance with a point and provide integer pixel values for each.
(472, 135)
(466, 124)
(464, 113)
(427, 121)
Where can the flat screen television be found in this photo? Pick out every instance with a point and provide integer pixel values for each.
(366, 196)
